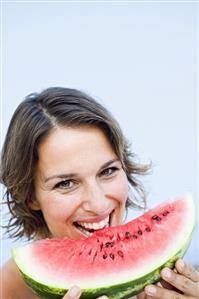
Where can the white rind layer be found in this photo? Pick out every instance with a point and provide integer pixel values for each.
(21, 256)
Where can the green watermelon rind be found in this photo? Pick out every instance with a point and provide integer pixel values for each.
(119, 291)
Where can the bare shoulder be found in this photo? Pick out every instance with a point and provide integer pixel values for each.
(13, 286)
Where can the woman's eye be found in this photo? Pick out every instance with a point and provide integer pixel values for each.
(67, 184)
(109, 171)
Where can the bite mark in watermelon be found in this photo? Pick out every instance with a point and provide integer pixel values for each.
(116, 261)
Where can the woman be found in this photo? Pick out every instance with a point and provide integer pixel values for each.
(66, 163)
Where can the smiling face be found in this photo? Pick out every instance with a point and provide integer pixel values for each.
(80, 184)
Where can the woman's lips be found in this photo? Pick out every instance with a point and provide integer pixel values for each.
(86, 232)
(96, 219)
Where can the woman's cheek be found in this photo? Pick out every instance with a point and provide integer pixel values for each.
(56, 209)
(124, 191)
(120, 189)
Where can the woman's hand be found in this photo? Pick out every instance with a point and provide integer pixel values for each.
(182, 284)
(75, 292)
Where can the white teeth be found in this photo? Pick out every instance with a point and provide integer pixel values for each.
(85, 232)
(95, 225)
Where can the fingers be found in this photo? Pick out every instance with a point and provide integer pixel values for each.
(161, 293)
(159, 284)
(176, 284)
(187, 270)
(73, 293)
(168, 286)
(187, 280)
(181, 282)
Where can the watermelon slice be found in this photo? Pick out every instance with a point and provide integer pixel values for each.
(115, 261)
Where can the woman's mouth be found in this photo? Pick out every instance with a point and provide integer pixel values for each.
(88, 228)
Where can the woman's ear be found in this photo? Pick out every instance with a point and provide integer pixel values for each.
(35, 205)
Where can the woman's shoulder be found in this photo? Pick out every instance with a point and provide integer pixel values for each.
(13, 286)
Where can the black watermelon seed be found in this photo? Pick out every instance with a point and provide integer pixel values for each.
(147, 229)
(109, 244)
(112, 256)
(104, 256)
(165, 213)
(127, 235)
(120, 253)
(135, 237)
(156, 217)
(139, 232)
(90, 252)
(101, 246)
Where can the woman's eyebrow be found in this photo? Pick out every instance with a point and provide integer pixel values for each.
(72, 175)
(109, 163)
(60, 176)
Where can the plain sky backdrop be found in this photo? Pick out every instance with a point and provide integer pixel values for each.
(138, 59)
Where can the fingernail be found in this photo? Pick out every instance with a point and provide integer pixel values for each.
(74, 292)
(167, 273)
(180, 264)
(150, 290)
(103, 297)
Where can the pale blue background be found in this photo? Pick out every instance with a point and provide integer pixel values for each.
(140, 60)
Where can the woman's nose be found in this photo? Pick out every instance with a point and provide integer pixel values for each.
(95, 199)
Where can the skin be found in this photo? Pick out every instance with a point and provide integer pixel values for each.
(93, 183)
(79, 178)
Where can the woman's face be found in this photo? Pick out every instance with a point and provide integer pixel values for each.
(80, 184)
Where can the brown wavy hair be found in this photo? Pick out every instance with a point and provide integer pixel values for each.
(32, 121)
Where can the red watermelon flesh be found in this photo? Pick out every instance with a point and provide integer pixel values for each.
(113, 255)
